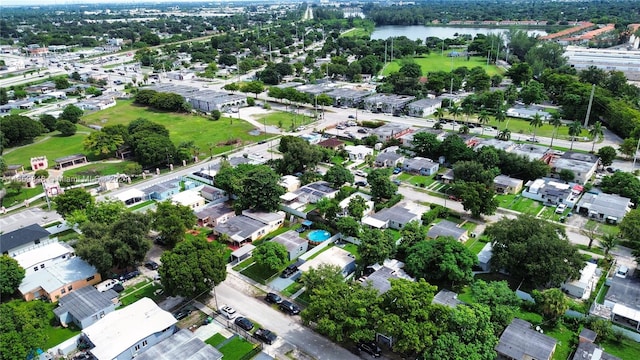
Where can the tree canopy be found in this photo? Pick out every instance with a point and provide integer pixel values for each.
(23, 328)
(172, 221)
(443, 260)
(260, 189)
(72, 200)
(11, 275)
(272, 255)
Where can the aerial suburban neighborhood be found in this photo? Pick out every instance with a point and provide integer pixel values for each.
(319, 180)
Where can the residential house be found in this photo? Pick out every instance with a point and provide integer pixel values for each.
(507, 146)
(163, 190)
(214, 214)
(407, 139)
(44, 256)
(312, 138)
(582, 165)
(447, 298)
(183, 345)
(205, 176)
(390, 131)
(298, 200)
(389, 159)
(447, 177)
(24, 239)
(448, 228)
(243, 252)
(129, 332)
(609, 208)
(528, 112)
(188, 198)
(520, 341)
(587, 350)
(395, 217)
(344, 204)
(213, 194)
(531, 151)
(331, 143)
(420, 165)
(387, 103)
(295, 245)
(335, 256)
(97, 103)
(348, 97)
(250, 226)
(423, 107)
(55, 281)
(85, 306)
(290, 183)
(358, 152)
(507, 185)
(623, 301)
(484, 257)
(549, 192)
(131, 196)
(581, 288)
(379, 278)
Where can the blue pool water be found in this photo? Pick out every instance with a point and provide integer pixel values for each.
(318, 235)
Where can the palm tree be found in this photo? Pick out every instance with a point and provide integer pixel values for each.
(501, 114)
(596, 132)
(454, 110)
(439, 113)
(608, 242)
(555, 121)
(483, 119)
(505, 134)
(463, 129)
(574, 130)
(467, 109)
(535, 122)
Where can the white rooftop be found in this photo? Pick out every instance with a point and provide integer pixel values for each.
(130, 194)
(40, 254)
(187, 198)
(332, 256)
(120, 330)
(373, 222)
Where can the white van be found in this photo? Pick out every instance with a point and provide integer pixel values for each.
(622, 271)
(106, 285)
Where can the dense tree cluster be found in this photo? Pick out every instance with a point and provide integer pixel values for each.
(18, 129)
(23, 328)
(172, 221)
(150, 142)
(11, 275)
(162, 101)
(253, 186)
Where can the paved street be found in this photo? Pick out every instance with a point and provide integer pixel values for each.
(27, 217)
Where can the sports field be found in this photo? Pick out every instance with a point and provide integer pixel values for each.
(435, 61)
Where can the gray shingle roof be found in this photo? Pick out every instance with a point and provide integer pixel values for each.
(446, 228)
(290, 239)
(85, 302)
(22, 236)
(520, 341)
(447, 298)
(181, 345)
(395, 213)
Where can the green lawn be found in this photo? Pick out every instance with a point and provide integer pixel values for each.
(435, 61)
(14, 198)
(564, 337)
(284, 118)
(66, 235)
(521, 129)
(356, 32)
(54, 147)
(145, 291)
(58, 334)
(141, 205)
(475, 245)
(236, 349)
(258, 273)
(98, 169)
(624, 348)
(182, 127)
(353, 249)
(519, 203)
(292, 289)
(215, 340)
(417, 180)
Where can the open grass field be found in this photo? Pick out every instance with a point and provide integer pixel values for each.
(519, 203)
(215, 340)
(286, 119)
(98, 169)
(258, 273)
(356, 32)
(236, 349)
(182, 127)
(435, 61)
(14, 198)
(51, 145)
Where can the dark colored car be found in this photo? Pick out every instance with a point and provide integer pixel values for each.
(360, 183)
(370, 348)
(151, 265)
(129, 275)
(118, 288)
(273, 298)
(182, 314)
(244, 323)
(290, 270)
(351, 117)
(397, 171)
(289, 307)
(265, 336)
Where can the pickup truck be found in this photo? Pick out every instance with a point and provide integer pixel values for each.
(265, 335)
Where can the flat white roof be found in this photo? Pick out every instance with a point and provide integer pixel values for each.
(289, 196)
(40, 254)
(373, 222)
(130, 194)
(119, 330)
(187, 198)
(627, 312)
(332, 256)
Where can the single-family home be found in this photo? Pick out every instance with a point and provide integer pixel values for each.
(213, 194)
(389, 159)
(505, 145)
(549, 192)
(85, 306)
(358, 152)
(623, 300)
(44, 256)
(298, 200)
(188, 198)
(312, 138)
(528, 112)
(609, 208)
(447, 177)
(587, 350)
(163, 190)
(507, 185)
(387, 103)
(183, 345)
(447, 298)
(582, 165)
(484, 257)
(213, 214)
(348, 97)
(290, 183)
(124, 334)
(344, 204)
(520, 341)
(391, 131)
(250, 226)
(407, 139)
(379, 278)
(55, 281)
(204, 176)
(420, 165)
(532, 151)
(24, 239)
(295, 245)
(423, 107)
(335, 256)
(448, 228)
(581, 288)
(131, 196)
(331, 143)
(395, 217)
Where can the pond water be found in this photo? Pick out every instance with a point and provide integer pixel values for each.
(415, 32)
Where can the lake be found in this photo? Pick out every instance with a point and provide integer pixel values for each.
(415, 32)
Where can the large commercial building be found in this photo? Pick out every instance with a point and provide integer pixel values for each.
(625, 60)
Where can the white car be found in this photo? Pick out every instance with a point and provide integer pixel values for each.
(361, 173)
(561, 208)
(228, 312)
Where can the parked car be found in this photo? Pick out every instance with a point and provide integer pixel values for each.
(273, 298)
(561, 208)
(266, 336)
(361, 173)
(244, 323)
(118, 288)
(129, 275)
(397, 182)
(341, 127)
(290, 270)
(397, 171)
(351, 117)
(289, 307)
(151, 265)
(370, 348)
(360, 183)
(362, 131)
(182, 314)
(228, 312)
(533, 140)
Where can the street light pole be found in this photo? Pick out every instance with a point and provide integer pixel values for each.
(635, 155)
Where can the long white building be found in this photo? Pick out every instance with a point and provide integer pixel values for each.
(626, 61)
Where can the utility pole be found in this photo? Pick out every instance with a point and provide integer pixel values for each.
(391, 49)
(586, 118)
(385, 53)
